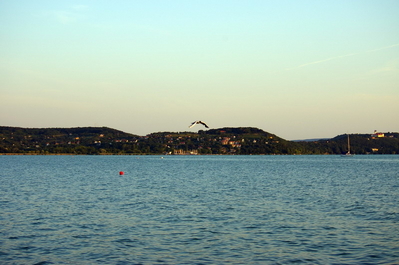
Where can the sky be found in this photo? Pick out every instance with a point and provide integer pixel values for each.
(297, 69)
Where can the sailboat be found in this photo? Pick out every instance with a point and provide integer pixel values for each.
(349, 149)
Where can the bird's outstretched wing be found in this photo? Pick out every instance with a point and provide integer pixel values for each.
(203, 123)
(192, 124)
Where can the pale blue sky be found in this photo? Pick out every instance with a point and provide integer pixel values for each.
(298, 69)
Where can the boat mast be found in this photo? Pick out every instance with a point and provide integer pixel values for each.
(349, 147)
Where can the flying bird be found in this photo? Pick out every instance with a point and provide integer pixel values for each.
(198, 122)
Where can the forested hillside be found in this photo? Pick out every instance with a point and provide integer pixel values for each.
(240, 140)
(86, 140)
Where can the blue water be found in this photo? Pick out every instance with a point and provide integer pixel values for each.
(199, 210)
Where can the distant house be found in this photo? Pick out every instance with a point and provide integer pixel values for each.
(235, 144)
(182, 152)
(377, 135)
(225, 140)
(178, 152)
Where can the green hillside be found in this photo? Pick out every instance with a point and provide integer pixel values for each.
(85, 140)
(229, 140)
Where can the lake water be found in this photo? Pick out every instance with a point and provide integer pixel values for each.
(199, 210)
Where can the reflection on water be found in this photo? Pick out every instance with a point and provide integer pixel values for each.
(199, 209)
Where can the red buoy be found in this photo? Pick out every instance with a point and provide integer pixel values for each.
(121, 173)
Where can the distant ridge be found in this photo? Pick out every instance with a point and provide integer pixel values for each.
(227, 140)
(312, 140)
(63, 129)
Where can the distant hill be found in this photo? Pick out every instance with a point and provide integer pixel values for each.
(79, 140)
(311, 140)
(228, 140)
(238, 131)
(82, 131)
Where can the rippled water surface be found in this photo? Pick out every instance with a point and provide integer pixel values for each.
(199, 210)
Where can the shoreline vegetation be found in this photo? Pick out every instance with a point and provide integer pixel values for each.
(221, 141)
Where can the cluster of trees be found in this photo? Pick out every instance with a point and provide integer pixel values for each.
(244, 141)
